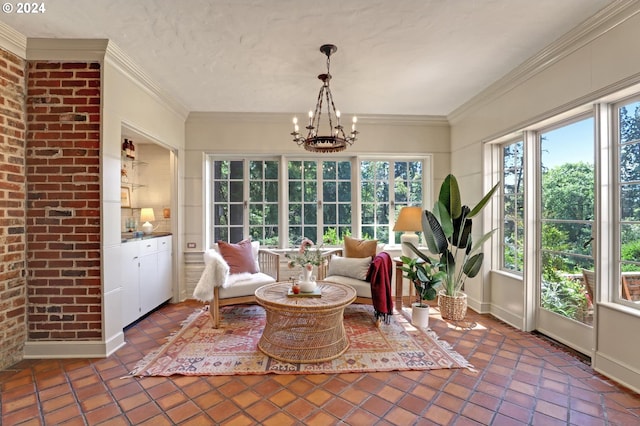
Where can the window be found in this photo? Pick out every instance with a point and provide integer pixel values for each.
(322, 200)
(566, 217)
(628, 249)
(319, 201)
(244, 196)
(513, 206)
(384, 192)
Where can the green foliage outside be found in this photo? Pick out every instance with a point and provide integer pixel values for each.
(567, 195)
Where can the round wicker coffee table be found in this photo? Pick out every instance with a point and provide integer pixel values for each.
(304, 329)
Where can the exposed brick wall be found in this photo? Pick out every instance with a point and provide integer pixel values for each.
(12, 209)
(63, 201)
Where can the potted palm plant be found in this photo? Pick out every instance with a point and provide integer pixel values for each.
(447, 232)
(426, 279)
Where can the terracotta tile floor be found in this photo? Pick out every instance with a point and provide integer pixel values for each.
(520, 379)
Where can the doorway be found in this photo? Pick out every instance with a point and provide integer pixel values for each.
(565, 205)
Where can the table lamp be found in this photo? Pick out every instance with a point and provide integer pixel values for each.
(146, 215)
(409, 221)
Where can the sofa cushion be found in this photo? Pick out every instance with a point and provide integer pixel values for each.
(350, 267)
(239, 257)
(355, 247)
(255, 248)
(362, 288)
(244, 287)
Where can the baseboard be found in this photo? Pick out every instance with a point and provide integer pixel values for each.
(67, 349)
(506, 316)
(477, 306)
(625, 375)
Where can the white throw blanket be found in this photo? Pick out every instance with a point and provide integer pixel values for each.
(215, 274)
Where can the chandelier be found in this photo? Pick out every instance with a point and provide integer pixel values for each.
(336, 140)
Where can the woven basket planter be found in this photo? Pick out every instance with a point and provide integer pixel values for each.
(453, 308)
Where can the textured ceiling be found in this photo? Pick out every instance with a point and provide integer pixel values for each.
(424, 57)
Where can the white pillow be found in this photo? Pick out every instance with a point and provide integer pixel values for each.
(352, 267)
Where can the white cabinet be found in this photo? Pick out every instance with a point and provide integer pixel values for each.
(147, 276)
(129, 279)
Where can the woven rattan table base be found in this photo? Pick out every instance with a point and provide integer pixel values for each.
(301, 329)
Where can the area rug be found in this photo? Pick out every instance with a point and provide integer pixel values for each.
(198, 349)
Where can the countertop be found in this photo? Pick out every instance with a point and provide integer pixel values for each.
(139, 236)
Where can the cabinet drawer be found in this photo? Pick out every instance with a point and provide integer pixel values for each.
(148, 246)
(164, 243)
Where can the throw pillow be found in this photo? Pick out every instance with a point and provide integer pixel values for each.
(354, 247)
(238, 256)
(349, 267)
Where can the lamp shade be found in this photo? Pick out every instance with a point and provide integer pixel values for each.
(410, 219)
(146, 215)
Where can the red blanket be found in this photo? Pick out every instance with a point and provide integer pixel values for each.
(379, 276)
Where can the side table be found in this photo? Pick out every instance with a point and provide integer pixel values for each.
(400, 284)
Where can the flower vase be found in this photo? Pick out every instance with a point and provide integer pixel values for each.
(307, 281)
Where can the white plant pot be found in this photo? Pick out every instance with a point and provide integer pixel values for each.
(419, 316)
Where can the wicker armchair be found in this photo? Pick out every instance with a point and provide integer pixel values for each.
(244, 291)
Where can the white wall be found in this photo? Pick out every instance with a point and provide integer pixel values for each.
(131, 101)
(263, 134)
(603, 63)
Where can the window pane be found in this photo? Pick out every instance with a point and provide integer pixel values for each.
(344, 170)
(271, 170)
(567, 204)
(629, 123)
(295, 191)
(630, 202)
(329, 170)
(329, 192)
(344, 192)
(295, 169)
(629, 194)
(236, 234)
(236, 170)
(329, 214)
(221, 170)
(344, 214)
(221, 191)
(255, 190)
(271, 192)
(235, 191)
(310, 190)
(513, 206)
(310, 170)
(255, 170)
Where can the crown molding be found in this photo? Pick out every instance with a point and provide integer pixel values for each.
(602, 22)
(50, 49)
(100, 50)
(119, 59)
(12, 40)
(404, 120)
